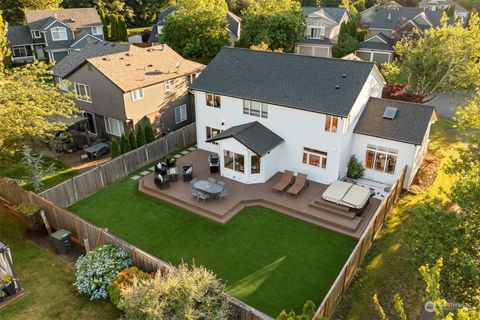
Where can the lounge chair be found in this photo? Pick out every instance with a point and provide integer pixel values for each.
(301, 183)
(222, 195)
(285, 181)
(200, 195)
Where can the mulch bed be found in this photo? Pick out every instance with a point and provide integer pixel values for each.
(426, 174)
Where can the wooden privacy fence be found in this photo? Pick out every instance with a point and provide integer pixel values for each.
(83, 231)
(86, 184)
(337, 290)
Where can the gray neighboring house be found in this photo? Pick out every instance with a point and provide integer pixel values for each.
(367, 15)
(233, 26)
(322, 27)
(53, 34)
(442, 5)
(377, 48)
(121, 86)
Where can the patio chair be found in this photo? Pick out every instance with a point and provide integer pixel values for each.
(212, 180)
(221, 183)
(200, 195)
(285, 181)
(301, 183)
(161, 168)
(222, 195)
(187, 173)
(192, 183)
(161, 182)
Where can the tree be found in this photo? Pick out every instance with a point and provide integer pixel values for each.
(197, 29)
(114, 148)
(13, 10)
(36, 168)
(121, 29)
(132, 139)
(141, 139)
(446, 59)
(104, 19)
(262, 46)
(354, 7)
(277, 23)
(4, 51)
(145, 12)
(149, 134)
(115, 7)
(346, 44)
(113, 22)
(124, 144)
(31, 107)
(308, 312)
(355, 169)
(184, 293)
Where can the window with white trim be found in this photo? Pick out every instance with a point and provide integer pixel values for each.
(97, 30)
(59, 33)
(166, 85)
(381, 159)
(19, 52)
(83, 91)
(180, 113)
(233, 161)
(36, 34)
(114, 127)
(212, 132)
(317, 32)
(331, 123)
(159, 30)
(315, 158)
(137, 94)
(191, 77)
(213, 100)
(255, 108)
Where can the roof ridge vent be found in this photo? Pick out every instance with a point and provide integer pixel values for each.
(344, 75)
(390, 113)
(337, 87)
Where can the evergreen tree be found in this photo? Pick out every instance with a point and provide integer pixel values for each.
(3, 42)
(141, 136)
(104, 19)
(113, 27)
(132, 139)
(114, 148)
(124, 144)
(149, 134)
(121, 29)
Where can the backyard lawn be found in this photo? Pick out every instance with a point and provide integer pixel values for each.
(267, 260)
(46, 278)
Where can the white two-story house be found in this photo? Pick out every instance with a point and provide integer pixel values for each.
(265, 112)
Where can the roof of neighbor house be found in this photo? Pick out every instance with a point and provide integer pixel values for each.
(377, 42)
(141, 67)
(75, 17)
(19, 35)
(390, 19)
(315, 84)
(351, 56)
(335, 14)
(252, 135)
(77, 57)
(389, 5)
(324, 42)
(233, 24)
(425, 3)
(409, 124)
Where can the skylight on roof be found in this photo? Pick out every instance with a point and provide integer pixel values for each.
(390, 113)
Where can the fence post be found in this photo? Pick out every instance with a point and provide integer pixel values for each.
(73, 188)
(344, 279)
(125, 165)
(101, 176)
(146, 153)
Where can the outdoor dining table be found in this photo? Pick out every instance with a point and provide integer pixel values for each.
(97, 150)
(208, 187)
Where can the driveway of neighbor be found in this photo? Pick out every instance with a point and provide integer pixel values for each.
(447, 103)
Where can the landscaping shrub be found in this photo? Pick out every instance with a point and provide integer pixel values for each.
(308, 312)
(170, 161)
(355, 168)
(184, 293)
(123, 280)
(132, 139)
(124, 144)
(149, 134)
(141, 136)
(114, 148)
(98, 268)
(31, 211)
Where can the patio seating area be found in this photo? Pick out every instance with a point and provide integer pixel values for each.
(306, 205)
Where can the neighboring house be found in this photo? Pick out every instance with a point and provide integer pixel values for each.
(265, 112)
(233, 26)
(377, 48)
(322, 30)
(130, 85)
(443, 5)
(367, 15)
(53, 34)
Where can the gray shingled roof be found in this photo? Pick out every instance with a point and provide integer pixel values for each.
(57, 45)
(252, 135)
(295, 81)
(93, 49)
(164, 14)
(409, 125)
(325, 42)
(19, 35)
(401, 15)
(153, 34)
(377, 45)
(335, 13)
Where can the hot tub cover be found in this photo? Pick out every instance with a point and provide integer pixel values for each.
(347, 194)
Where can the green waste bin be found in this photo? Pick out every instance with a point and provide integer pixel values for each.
(61, 240)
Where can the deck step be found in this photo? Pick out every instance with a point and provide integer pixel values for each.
(333, 208)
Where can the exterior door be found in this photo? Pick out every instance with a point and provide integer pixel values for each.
(92, 128)
(40, 53)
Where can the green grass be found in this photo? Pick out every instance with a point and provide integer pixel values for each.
(267, 260)
(399, 78)
(16, 170)
(46, 278)
(386, 269)
(139, 29)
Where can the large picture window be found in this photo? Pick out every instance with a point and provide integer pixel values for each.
(114, 127)
(331, 124)
(255, 108)
(315, 158)
(59, 33)
(381, 159)
(19, 52)
(213, 100)
(233, 161)
(83, 91)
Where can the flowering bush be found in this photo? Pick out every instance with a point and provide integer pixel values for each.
(98, 268)
(123, 280)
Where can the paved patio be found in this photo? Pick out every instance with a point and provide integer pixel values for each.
(241, 196)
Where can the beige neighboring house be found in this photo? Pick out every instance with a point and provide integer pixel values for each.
(322, 27)
(123, 89)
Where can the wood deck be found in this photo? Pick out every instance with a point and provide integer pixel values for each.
(302, 207)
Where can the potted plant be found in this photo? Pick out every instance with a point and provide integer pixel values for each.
(7, 281)
(170, 161)
(2, 296)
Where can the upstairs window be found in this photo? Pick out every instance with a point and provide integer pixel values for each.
(213, 100)
(381, 159)
(255, 108)
(191, 77)
(114, 127)
(59, 33)
(137, 94)
(331, 124)
(212, 132)
(317, 32)
(315, 158)
(36, 34)
(83, 91)
(97, 30)
(166, 85)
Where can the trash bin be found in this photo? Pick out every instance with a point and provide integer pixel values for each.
(61, 240)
